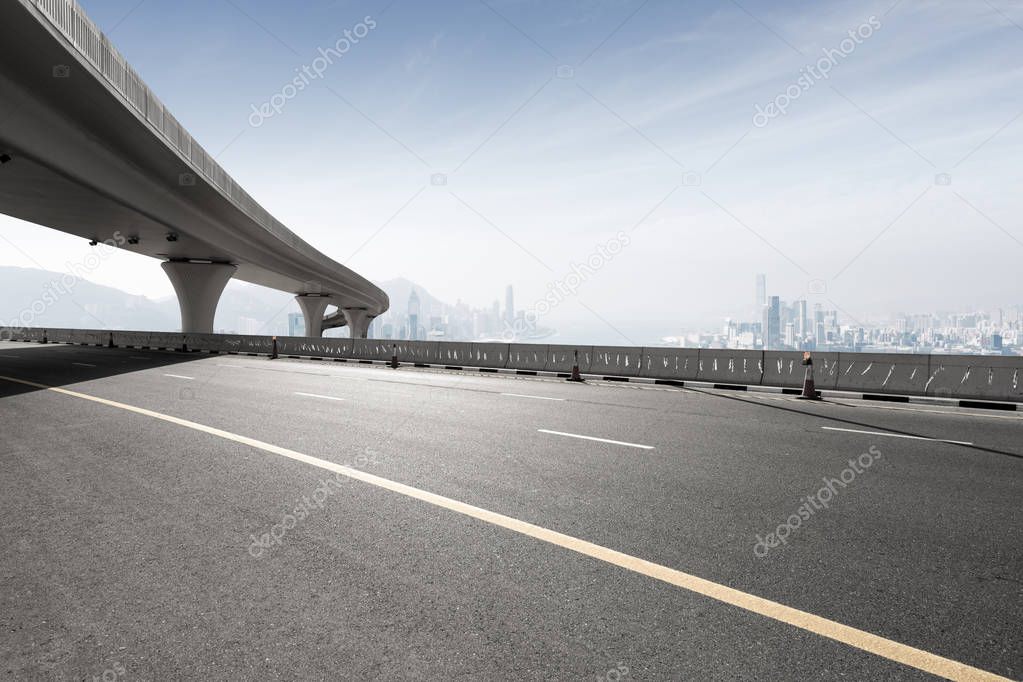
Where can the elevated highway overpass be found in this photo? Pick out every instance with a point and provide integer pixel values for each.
(88, 149)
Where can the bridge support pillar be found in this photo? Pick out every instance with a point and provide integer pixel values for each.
(358, 321)
(198, 287)
(313, 308)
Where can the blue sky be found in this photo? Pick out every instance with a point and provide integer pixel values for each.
(649, 130)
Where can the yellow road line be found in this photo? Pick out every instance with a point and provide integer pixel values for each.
(865, 641)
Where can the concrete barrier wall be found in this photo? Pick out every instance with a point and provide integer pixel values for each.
(527, 356)
(426, 352)
(453, 353)
(616, 360)
(324, 348)
(53, 335)
(93, 338)
(786, 369)
(954, 376)
(196, 341)
(237, 343)
(671, 363)
(67, 335)
(122, 339)
(561, 358)
(372, 349)
(883, 373)
(978, 377)
(731, 366)
(487, 355)
(19, 333)
(166, 340)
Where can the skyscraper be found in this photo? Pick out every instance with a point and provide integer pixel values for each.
(413, 315)
(761, 299)
(802, 321)
(509, 305)
(296, 324)
(772, 324)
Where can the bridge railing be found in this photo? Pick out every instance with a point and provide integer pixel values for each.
(73, 23)
(969, 377)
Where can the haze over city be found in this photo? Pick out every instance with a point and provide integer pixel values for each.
(467, 146)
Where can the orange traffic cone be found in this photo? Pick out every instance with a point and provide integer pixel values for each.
(575, 370)
(273, 352)
(809, 392)
(394, 356)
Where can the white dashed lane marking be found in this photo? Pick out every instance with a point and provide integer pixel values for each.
(897, 435)
(534, 397)
(599, 440)
(317, 395)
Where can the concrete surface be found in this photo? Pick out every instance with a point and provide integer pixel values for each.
(129, 541)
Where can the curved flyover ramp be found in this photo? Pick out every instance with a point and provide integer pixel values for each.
(86, 148)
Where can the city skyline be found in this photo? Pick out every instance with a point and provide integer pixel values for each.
(791, 326)
(460, 322)
(250, 309)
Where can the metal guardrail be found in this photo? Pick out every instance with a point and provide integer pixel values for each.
(969, 377)
(73, 23)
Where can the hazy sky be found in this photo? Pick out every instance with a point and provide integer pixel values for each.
(648, 128)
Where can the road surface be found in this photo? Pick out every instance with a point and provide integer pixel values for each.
(186, 515)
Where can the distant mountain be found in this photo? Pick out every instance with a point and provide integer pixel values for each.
(52, 299)
(38, 298)
(399, 289)
(251, 309)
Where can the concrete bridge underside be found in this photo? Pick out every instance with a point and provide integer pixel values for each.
(83, 152)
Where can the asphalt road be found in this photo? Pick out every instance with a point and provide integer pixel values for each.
(180, 516)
